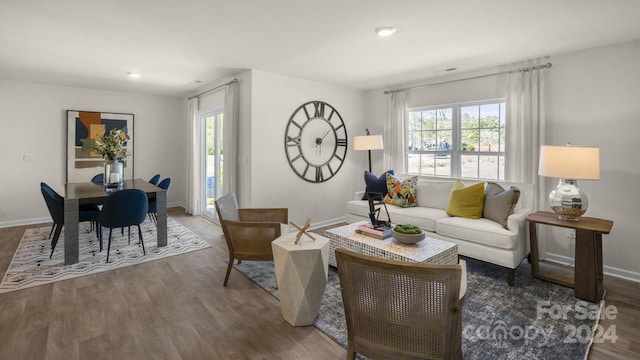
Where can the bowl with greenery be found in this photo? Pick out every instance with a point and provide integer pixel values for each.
(408, 234)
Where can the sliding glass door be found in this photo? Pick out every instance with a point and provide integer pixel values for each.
(214, 162)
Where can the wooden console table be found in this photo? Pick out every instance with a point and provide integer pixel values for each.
(587, 281)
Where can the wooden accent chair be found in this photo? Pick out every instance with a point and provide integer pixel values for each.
(248, 232)
(401, 310)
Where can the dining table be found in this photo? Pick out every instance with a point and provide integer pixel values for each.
(82, 193)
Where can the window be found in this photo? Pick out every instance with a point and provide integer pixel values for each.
(460, 141)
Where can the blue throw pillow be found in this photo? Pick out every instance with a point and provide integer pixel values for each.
(375, 184)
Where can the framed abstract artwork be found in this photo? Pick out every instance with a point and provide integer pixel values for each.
(83, 129)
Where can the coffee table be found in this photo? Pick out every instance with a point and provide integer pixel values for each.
(429, 250)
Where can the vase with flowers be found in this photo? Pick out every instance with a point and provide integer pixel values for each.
(112, 148)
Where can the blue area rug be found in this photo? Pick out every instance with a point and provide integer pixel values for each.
(534, 319)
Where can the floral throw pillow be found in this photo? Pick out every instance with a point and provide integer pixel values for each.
(401, 192)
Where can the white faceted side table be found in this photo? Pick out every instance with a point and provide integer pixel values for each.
(301, 273)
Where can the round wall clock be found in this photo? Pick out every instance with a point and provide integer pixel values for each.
(315, 141)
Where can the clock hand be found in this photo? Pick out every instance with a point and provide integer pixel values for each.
(319, 140)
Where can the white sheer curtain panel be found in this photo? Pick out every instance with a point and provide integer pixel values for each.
(525, 132)
(194, 160)
(230, 139)
(393, 136)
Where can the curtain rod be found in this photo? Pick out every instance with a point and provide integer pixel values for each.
(212, 89)
(547, 66)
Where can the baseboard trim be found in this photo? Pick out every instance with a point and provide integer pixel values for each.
(327, 223)
(22, 222)
(42, 220)
(609, 270)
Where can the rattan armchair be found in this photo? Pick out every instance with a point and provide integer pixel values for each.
(401, 310)
(248, 232)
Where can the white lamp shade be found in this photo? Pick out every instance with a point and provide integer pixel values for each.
(570, 162)
(368, 142)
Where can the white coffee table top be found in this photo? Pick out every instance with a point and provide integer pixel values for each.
(429, 250)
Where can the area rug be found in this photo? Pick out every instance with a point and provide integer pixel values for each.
(31, 265)
(532, 320)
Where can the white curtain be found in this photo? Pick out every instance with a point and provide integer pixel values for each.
(194, 160)
(525, 132)
(230, 139)
(394, 135)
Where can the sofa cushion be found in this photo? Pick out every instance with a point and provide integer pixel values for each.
(433, 194)
(375, 184)
(466, 201)
(401, 192)
(499, 203)
(426, 218)
(481, 231)
(423, 217)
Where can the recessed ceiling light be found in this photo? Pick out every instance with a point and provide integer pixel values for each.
(134, 74)
(385, 30)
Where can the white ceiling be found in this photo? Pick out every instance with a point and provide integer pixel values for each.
(94, 43)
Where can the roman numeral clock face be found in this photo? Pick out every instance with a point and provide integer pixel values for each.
(315, 141)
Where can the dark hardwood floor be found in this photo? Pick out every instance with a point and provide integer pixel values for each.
(177, 308)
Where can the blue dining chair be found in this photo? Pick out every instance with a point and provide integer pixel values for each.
(154, 180)
(98, 179)
(55, 204)
(153, 205)
(123, 208)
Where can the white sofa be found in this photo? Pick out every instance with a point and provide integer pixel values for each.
(481, 239)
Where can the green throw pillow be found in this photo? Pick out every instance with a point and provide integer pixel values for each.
(499, 203)
(466, 201)
(401, 192)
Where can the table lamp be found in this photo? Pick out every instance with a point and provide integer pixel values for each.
(569, 163)
(368, 142)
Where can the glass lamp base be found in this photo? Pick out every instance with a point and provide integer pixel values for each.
(568, 201)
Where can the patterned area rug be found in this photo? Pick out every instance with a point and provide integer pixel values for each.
(534, 319)
(31, 265)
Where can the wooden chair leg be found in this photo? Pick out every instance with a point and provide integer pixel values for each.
(226, 278)
(351, 355)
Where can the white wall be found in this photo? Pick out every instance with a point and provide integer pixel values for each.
(592, 98)
(33, 120)
(273, 182)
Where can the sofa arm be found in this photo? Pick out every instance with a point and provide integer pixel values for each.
(358, 195)
(517, 220)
